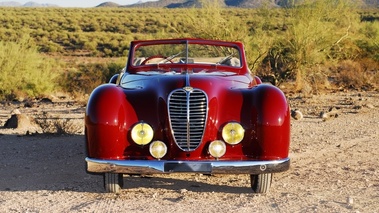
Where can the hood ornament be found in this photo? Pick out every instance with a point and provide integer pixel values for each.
(188, 88)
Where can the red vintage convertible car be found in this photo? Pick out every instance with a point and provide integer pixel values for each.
(187, 105)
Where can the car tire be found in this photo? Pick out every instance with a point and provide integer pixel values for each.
(261, 183)
(113, 182)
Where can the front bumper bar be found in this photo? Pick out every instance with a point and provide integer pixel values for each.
(205, 167)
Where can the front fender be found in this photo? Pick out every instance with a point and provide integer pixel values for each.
(272, 122)
(108, 117)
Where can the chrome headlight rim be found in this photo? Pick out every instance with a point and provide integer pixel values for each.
(142, 133)
(233, 133)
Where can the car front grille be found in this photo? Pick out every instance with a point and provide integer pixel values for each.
(188, 113)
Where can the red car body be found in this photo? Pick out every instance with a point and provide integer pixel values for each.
(187, 104)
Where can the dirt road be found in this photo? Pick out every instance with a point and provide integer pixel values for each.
(334, 169)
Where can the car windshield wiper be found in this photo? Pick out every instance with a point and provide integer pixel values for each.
(170, 57)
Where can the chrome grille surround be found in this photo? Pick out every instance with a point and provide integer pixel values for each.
(188, 110)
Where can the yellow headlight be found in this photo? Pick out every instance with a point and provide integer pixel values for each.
(217, 148)
(142, 133)
(158, 149)
(233, 133)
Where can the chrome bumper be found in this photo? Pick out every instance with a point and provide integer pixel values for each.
(205, 167)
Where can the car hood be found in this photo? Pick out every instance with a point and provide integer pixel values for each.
(149, 94)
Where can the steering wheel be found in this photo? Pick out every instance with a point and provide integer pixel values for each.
(154, 57)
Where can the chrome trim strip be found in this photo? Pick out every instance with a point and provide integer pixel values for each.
(188, 119)
(158, 166)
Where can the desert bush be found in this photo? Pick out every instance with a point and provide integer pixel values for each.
(262, 33)
(57, 125)
(369, 41)
(83, 79)
(24, 72)
(357, 75)
(349, 74)
(209, 22)
(316, 32)
(212, 21)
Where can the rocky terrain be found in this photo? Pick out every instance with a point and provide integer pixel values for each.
(334, 165)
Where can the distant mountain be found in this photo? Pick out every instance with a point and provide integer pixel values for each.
(10, 4)
(190, 3)
(108, 4)
(34, 4)
(234, 3)
(160, 3)
(252, 3)
(28, 4)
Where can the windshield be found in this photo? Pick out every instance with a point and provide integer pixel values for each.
(186, 53)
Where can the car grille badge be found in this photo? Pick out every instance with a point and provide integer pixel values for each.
(188, 88)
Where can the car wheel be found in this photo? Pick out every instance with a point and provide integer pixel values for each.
(113, 182)
(261, 183)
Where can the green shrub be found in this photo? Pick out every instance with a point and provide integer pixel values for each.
(23, 71)
(209, 22)
(317, 32)
(87, 77)
(369, 41)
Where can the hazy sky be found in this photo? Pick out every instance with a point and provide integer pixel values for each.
(78, 3)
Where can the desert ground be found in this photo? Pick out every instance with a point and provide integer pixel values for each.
(334, 165)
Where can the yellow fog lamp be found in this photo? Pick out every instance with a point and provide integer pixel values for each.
(142, 133)
(158, 149)
(217, 148)
(233, 133)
